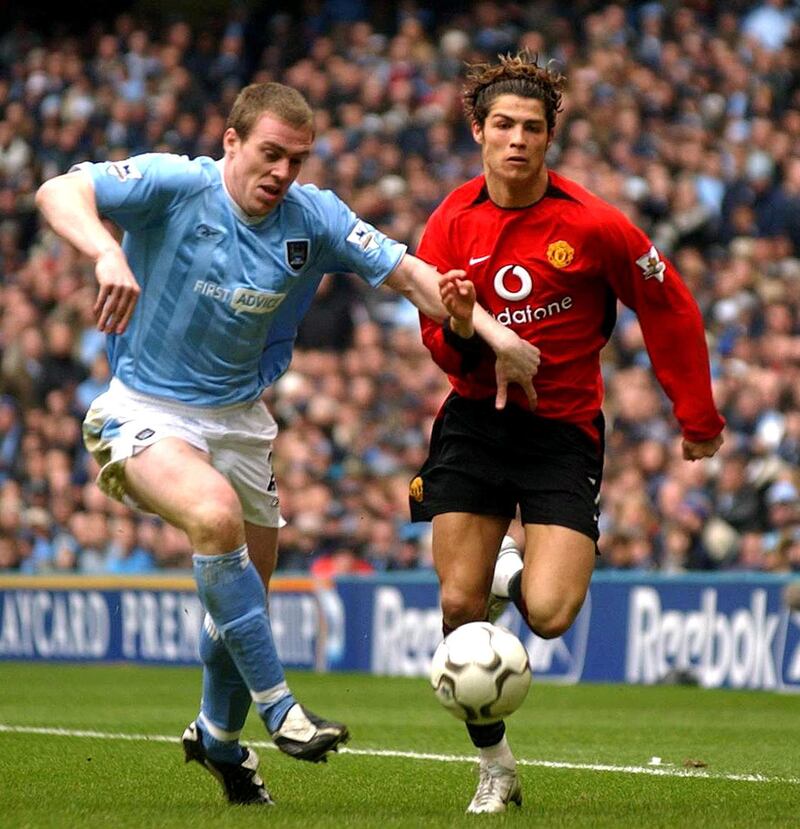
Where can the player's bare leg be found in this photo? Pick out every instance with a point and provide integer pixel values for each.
(464, 552)
(550, 587)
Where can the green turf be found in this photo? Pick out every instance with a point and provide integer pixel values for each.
(66, 781)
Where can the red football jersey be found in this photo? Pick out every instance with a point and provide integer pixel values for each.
(552, 272)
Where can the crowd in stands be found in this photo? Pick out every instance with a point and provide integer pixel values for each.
(685, 115)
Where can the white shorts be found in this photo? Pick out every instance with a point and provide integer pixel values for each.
(238, 439)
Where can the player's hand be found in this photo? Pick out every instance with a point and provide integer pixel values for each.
(517, 361)
(458, 297)
(694, 450)
(118, 292)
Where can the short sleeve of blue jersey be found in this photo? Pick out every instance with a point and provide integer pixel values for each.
(136, 192)
(353, 245)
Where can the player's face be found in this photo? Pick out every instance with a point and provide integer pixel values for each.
(259, 170)
(514, 138)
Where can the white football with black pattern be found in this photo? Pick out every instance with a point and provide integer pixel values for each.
(480, 673)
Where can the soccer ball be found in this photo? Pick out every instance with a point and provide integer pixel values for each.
(480, 673)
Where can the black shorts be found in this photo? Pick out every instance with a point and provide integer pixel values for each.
(490, 462)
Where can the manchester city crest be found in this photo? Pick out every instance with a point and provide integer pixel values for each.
(297, 253)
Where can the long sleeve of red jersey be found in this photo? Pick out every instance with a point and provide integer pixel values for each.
(671, 324)
(453, 360)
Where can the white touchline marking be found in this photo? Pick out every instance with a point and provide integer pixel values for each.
(417, 755)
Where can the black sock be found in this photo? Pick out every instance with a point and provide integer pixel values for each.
(483, 736)
(515, 594)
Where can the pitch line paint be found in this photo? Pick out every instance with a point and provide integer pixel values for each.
(661, 771)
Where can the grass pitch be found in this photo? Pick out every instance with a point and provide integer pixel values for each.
(587, 752)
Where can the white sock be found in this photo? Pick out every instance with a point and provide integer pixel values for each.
(508, 565)
(500, 753)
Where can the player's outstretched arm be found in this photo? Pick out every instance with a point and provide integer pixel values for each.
(516, 361)
(419, 283)
(68, 204)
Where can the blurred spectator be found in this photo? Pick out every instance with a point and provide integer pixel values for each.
(95, 384)
(736, 500)
(59, 368)
(330, 322)
(339, 562)
(10, 558)
(124, 554)
(770, 23)
(10, 436)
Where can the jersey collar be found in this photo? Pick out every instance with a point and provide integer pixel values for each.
(551, 192)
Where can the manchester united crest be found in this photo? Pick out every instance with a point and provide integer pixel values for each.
(560, 254)
(415, 489)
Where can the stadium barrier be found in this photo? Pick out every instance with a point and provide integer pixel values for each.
(716, 630)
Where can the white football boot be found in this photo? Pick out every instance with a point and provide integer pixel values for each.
(305, 736)
(497, 787)
(508, 564)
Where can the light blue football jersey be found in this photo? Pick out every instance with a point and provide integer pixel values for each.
(222, 293)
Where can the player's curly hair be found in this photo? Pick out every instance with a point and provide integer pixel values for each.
(518, 74)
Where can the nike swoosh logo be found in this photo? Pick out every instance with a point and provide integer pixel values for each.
(474, 260)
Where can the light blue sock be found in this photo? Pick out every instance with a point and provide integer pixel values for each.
(226, 698)
(234, 596)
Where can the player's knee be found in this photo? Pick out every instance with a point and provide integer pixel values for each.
(548, 628)
(216, 523)
(460, 606)
(550, 623)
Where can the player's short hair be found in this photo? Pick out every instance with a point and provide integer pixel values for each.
(518, 74)
(281, 101)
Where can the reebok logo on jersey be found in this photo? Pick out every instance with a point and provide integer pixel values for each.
(651, 265)
(255, 302)
(207, 232)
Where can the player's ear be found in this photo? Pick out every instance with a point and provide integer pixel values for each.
(230, 140)
(477, 132)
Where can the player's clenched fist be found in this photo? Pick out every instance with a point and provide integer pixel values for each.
(695, 450)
